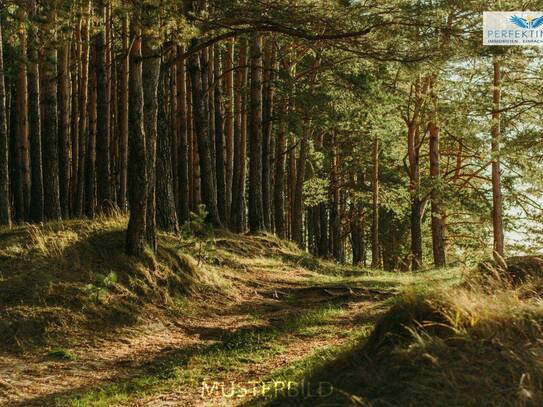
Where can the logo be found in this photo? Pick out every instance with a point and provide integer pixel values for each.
(528, 22)
(508, 28)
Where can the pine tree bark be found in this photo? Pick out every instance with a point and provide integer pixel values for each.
(171, 89)
(15, 159)
(22, 123)
(335, 214)
(228, 74)
(497, 198)
(51, 190)
(375, 252)
(291, 184)
(359, 218)
(256, 213)
(206, 66)
(191, 148)
(183, 153)
(297, 207)
(151, 77)
(267, 129)
(413, 146)
(166, 215)
(111, 92)
(15, 186)
(220, 165)
(5, 210)
(36, 188)
(90, 159)
(322, 249)
(438, 215)
(83, 117)
(201, 130)
(74, 120)
(123, 119)
(137, 157)
(103, 166)
(64, 130)
(416, 231)
(279, 185)
(240, 142)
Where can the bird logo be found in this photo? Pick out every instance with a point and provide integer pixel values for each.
(528, 22)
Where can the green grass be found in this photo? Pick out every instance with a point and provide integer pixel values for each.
(453, 346)
(63, 279)
(71, 279)
(189, 367)
(62, 354)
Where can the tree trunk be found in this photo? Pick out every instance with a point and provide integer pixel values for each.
(267, 128)
(220, 165)
(64, 130)
(5, 215)
(50, 133)
(15, 174)
(357, 232)
(83, 118)
(111, 93)
(151, 79)
(183, 153)
(416, 228)
(191, 148)
(256, 214)
(297, 207)
(228, 73)
(22, 124)
(74, 120)
(497, 199)
(438, 216)
(279, 185)
(375, 255)
(206, 66)
(240, 142)
(291, 184)
(416, 233)
(123, 119)
(335, 215)
(201, 130)
(103, 96)
(166, 216)
(169, 81)
(137, 157)
(36, 191)
(90, 160)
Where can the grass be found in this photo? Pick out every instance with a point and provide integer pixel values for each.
(462, 345)
(66, 278)
(62, 354)
(445, 337)
(191, 367)
(70, 279)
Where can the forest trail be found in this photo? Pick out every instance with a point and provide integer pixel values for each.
(286, 319)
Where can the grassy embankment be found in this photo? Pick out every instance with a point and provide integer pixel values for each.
(381, 338)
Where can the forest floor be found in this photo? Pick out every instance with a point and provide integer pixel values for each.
(237, 321)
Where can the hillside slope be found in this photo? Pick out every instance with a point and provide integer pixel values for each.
(226, 320)
(85, 325)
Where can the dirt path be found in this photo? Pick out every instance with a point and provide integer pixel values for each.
(253, 379)
(38, 380)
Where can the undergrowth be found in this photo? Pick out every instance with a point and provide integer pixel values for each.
(62, 281)
(470, 344)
